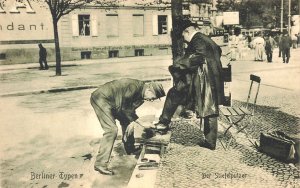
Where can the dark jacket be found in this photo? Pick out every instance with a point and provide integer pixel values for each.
(286, 42)
(203, 72)
(43, 52)
(123, 96)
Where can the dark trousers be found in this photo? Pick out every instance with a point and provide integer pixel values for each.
(269, 55)
(173, 100)
(286, 55)
(107, 120)
(280, 52)
(43, 61)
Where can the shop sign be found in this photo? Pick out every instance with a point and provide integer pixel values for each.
(25, 20)
(14, 8)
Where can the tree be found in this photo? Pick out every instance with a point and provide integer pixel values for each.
(177, 19)
(264, 13)
(59, 8)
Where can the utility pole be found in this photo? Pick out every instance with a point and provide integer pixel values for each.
(299, 13)
(289, 20)
(281, 16)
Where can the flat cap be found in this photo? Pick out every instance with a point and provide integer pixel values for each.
(158, 89)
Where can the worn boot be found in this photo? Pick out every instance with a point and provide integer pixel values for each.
(103, 170)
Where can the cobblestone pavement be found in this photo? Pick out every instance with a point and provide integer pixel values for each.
(184, 164)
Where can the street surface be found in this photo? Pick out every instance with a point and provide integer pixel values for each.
(53, 132)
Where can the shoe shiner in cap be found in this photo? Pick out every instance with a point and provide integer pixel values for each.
(198, 83)
(118, 100)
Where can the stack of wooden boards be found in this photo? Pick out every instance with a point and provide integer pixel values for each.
(144, 173)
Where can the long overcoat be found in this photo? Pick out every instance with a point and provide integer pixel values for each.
(204, 76)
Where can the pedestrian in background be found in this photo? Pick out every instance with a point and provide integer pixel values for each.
(198, 83)
(119, 99)
(279, 45)
(43, 57)
(269, 46)
(248, 37)
(233, 43)
(286, 44)
(258, 44)
(294, 40)
(298, 40)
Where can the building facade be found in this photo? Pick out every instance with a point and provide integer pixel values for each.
(131, 28)
(91, 33)
(96, 33)
(22, 27)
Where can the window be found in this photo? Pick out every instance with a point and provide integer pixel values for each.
(186, 7)
(113, 53)
(138, 25)
(86, 54)
(84, 25)
(112, 25)
(162, 25)
(2, 56)
(139, 52)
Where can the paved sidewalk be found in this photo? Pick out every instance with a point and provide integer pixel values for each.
(24, 79)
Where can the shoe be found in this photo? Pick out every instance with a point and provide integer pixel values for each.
(187, 114)
(104, 171)
(133, 150)
(205, 144)
(161, 127)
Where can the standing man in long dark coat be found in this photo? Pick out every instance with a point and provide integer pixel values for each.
(119, 99)
(198, 83)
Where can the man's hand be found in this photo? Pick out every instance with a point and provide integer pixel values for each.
(129, 131)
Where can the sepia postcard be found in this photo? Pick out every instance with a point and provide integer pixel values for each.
(149, 93)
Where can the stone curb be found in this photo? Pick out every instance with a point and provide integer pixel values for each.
(84, 62)
(64, 89)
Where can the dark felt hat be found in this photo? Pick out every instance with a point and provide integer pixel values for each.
(185, 24)
(158, 89)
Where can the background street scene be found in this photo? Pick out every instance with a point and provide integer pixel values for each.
(48, 125)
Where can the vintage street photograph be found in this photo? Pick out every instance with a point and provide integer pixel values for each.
(149, 93)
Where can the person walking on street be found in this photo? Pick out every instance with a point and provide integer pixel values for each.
(286, 44)
(119, 99)
(279, 45)
(294, 40)
(235, 43)
(270, 44)
(198, 83)
(248, 37)
(258, 45)
(43, 57)
(298, 40)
